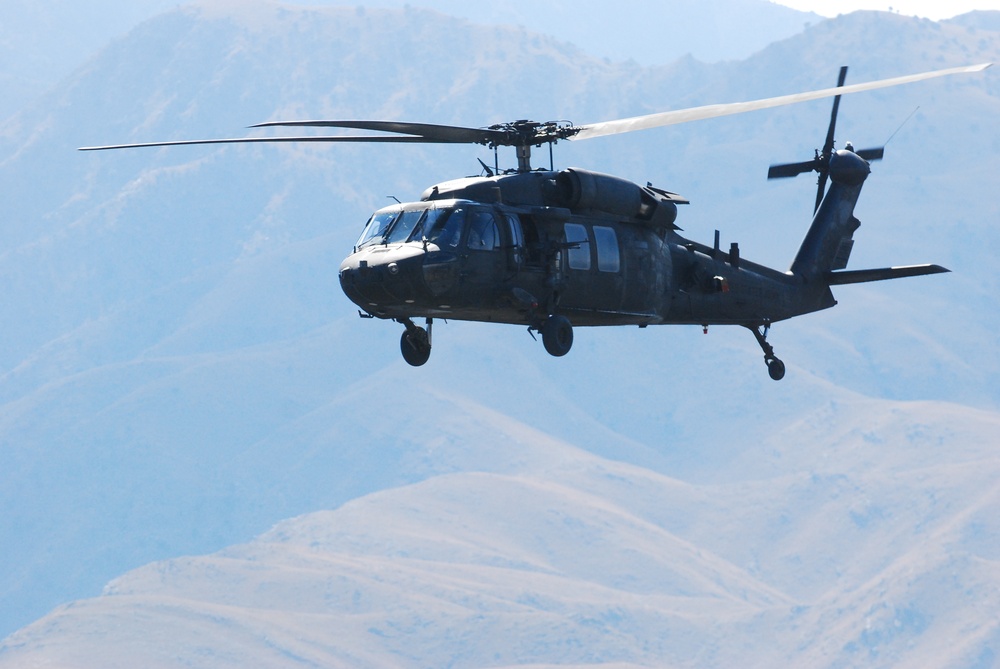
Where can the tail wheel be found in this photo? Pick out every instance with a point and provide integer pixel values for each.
(775, 368)
(557, 335)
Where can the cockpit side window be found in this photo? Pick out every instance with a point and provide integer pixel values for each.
(441, 226)
(483, 232)
(375, 228)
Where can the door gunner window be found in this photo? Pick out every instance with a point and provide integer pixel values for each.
(483, 233)
(579, 253)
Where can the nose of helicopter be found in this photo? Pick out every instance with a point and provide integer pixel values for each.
(383, 277)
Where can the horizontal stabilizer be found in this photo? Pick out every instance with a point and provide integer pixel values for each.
(882, 274)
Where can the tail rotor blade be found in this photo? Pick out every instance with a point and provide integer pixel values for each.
(872, 154)
(790, 169)
(824, 156)
(820, 189)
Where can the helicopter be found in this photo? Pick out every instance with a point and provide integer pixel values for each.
(557, 249)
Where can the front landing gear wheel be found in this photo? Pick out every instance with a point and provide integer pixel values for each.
(776, 369)
(414, 346)
(557, 335)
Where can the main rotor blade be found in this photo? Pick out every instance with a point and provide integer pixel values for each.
(253, 140)
(714, 111)
(427, 131)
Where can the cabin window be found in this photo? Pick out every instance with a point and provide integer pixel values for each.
(608, 257)
(483, 232)
(578, 254)
(533, 256)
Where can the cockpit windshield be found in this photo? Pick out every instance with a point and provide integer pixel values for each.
(440, 226)
(403, 227)
(376, 228)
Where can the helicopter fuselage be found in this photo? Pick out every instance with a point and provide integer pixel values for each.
(594, 248)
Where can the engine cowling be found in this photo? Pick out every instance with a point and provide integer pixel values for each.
(583, 189)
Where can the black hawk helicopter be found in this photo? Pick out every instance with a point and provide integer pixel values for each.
(553, 249)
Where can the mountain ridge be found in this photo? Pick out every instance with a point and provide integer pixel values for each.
(43, 41)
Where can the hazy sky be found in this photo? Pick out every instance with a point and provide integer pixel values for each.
(931, 9)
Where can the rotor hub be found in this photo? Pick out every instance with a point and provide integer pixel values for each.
(848, 168)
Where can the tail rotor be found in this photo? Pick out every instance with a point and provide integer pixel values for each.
(821, 161)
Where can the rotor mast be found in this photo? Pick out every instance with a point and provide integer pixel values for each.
(524, 158)
(524, 134)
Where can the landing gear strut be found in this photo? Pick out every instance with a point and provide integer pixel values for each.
(775, 368)
(415, 344)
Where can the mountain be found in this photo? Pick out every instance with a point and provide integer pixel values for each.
(567, 559)
(43, 41)
(179, 371)
(979, 20)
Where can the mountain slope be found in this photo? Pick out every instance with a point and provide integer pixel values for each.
(571, 560)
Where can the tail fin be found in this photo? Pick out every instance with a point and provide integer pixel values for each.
(827, 245)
